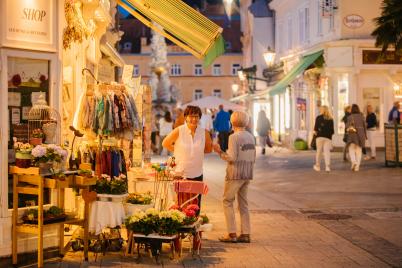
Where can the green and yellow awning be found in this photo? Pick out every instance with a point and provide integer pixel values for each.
(181, 24)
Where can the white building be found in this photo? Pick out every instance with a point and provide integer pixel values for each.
(348, 71)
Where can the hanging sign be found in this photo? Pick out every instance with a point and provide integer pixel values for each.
(29, 23)
(353, 21)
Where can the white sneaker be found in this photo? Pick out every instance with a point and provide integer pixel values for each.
(316, 168)
(356, 168)
(367, 158)
(327, 169)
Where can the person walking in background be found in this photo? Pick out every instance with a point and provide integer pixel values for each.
(240, 158)
(323, 129)
(371, 121)
(206, 120)
(165, 127)
(348, 111)
(394, 116)
(357, 135)
(222, 126)
(263, 130)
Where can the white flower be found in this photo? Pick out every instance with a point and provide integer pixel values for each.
(39, 151)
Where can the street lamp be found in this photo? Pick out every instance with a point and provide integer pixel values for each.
(269, 57)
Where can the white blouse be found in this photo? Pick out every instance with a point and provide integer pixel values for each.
(189, 151)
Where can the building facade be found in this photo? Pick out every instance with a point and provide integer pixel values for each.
(347, 71)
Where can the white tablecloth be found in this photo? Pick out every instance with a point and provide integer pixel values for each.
(104, 214)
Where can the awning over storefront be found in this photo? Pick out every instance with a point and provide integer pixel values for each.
(280, 87)
(181, 24)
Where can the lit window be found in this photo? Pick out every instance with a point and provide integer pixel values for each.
(136, 70)
(175, 70)
(216, 69)
(217, 93)
(197, 94)
(235, 69)
(198, 69)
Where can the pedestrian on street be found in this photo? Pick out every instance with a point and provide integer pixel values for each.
(323, 129)
(189, 142)
(263, 130)
(240, 158)
(222, 126)
(348, 111)
(371, 121)
(165, 127)
(357, 135)
(394, 116)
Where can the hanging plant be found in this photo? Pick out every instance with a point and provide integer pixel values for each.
(75, 31)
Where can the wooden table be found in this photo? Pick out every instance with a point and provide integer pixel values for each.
(31, 181)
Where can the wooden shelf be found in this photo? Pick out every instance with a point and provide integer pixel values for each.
(30, 181)
(33, 228)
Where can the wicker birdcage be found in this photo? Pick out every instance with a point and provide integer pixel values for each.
(46, 119)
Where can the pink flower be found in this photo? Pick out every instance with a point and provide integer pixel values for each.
(189, 212)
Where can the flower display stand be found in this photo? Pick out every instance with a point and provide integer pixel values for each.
(193, 234)
(152, 243)
(31, 181)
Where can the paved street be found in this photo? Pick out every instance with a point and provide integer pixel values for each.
(294, 218)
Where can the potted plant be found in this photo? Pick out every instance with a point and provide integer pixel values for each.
(300, 144)
(206, 226)
(37, 137)
(190, 211)
(111, 189)
(53, 214)
(23, 157)
(138, 201)
(49, 158)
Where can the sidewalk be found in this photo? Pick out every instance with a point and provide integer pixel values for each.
(294, 213)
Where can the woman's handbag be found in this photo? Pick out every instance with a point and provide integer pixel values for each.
(270, 142)
(313, 144)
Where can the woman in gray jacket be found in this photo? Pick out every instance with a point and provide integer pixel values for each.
(357, 135)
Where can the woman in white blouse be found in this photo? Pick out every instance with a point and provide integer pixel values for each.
(189, 142)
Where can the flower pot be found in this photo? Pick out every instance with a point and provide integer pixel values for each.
(300, 145)
(35, 141)
(23, 160)
(44, 168)
(131, 208)
(118, 198)
(207, 227)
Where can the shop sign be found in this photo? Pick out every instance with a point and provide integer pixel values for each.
(29, 24)
(301, 104)
(374, 57)
(353, 21)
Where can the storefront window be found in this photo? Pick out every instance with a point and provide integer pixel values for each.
(27, 79)
(371, 96)
(343, 100)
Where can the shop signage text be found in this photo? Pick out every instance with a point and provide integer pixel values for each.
(33, 14)
(353, 21)
(373, 57)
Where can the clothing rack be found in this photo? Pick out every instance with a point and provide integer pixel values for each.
(91, 73)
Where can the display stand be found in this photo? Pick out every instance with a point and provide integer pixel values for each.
(31, 181)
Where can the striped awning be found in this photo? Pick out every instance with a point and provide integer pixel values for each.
(181, 24)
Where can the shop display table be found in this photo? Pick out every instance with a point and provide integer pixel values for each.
(105, 214)
(193, 234)
(31, 181)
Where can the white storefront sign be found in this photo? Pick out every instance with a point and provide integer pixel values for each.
(353, 21)
(28, 24)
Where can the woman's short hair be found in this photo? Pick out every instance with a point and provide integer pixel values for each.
(192, 110)
(355, 109)
(239, 119)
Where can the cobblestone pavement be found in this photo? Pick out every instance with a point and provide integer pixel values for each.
(300, 218)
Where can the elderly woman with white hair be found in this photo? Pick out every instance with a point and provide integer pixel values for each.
(240, 158)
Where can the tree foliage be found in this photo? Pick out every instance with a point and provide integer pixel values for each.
(389, 26)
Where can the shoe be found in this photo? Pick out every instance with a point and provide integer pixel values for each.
(228, 239)
(243, 238)
(356, 168)
(373, 158)
(367, 158)
(327, 169)
(316, 168)
(263, 151)
(353, 167)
